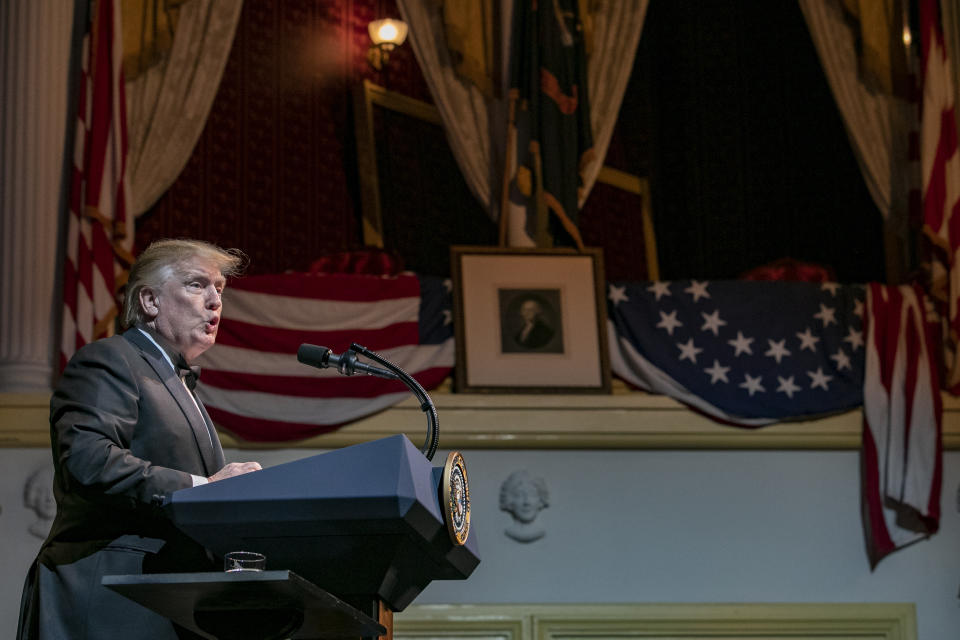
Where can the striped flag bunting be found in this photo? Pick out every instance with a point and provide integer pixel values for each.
(940, 170)
(99, 228)
(254, 387)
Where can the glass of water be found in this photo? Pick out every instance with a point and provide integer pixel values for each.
(244, 561)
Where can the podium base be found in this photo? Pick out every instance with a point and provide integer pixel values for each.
(246, 605)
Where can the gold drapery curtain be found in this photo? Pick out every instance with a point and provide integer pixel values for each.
(472, 29)
(148, 30)
(883, 54)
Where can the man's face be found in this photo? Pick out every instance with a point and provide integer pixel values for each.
(188, 306)
(529, 310)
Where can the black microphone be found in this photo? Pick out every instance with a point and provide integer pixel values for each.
(347, 364)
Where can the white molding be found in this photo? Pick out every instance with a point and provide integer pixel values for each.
(624, 420)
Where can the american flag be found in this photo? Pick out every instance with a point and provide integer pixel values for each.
(744, 352)
(940, 166)
(901, 461)
(254, 387)
(100, 227)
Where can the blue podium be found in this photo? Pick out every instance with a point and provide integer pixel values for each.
(350, 537)
(363, 522)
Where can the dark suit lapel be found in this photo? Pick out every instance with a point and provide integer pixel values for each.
(209, 447)
(218, 459)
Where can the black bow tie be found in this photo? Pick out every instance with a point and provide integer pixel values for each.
(189, 374)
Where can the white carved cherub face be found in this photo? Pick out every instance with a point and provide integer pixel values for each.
(524, 502)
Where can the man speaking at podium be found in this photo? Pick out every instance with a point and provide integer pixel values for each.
(127, 430)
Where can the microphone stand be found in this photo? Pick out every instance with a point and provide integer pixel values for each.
(426, 404)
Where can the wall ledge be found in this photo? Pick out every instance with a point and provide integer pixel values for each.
(666, 621)
(622, 420)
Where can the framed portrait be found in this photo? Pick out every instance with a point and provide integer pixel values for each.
(529, 320)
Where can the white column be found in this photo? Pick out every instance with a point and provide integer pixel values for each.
(34, 63)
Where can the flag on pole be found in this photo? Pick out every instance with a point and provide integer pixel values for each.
(550, 142)
(901, 457)
(940, 167)
(99, 228)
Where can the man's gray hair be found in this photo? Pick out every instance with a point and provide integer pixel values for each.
(159, 262)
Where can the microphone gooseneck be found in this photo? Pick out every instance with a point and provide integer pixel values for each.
(348, 365)
(432, 441)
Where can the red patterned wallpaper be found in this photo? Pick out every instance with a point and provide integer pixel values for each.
(274, 172)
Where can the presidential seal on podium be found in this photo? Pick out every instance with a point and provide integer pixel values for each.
(456, 497)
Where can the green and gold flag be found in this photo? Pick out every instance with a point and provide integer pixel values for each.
(549, 120)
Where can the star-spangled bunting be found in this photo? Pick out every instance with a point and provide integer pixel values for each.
(746, 352)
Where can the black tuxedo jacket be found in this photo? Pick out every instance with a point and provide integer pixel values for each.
(124, 432)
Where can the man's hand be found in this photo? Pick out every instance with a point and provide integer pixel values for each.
(235, 469)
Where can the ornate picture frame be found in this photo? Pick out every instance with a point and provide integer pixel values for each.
(529, 320)
(405, 167)
(367, 98)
